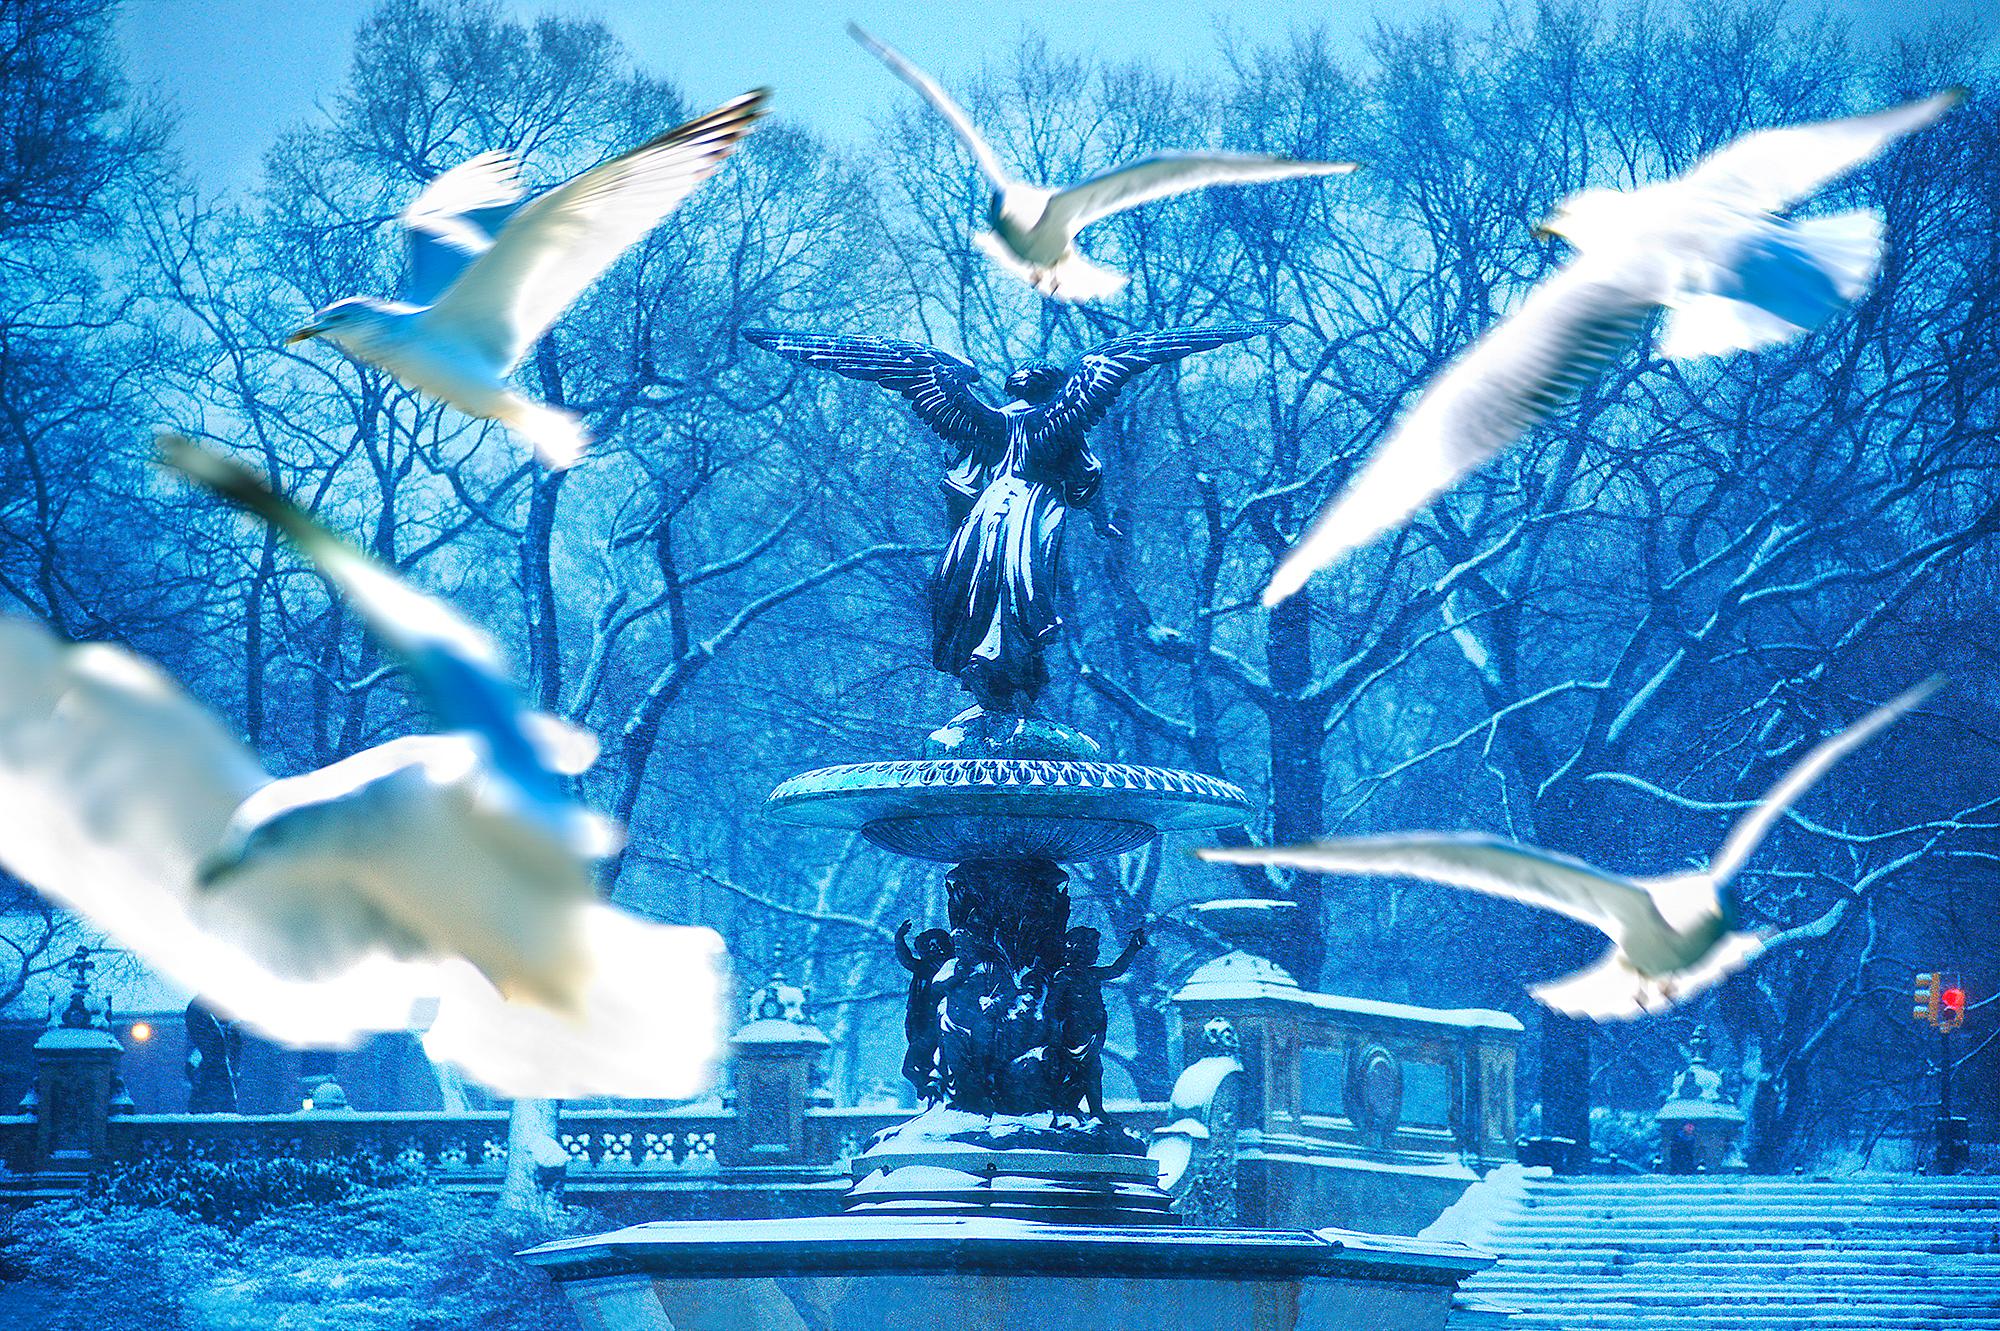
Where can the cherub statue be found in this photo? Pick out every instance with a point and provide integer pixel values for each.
(1077, 1017)
(974, 991)
(920, 1014)
(1019, 468)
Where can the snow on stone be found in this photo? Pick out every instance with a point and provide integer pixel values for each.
(1730, 1252)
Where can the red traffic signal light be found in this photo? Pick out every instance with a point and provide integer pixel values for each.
(1951, 1009)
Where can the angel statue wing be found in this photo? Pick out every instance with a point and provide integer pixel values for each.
(937, 384)
(1081, 402)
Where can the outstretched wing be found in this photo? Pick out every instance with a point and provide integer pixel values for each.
(936, 383)
(1775, 168)
(1166, 174)
(1520, 372)
(115, 786)
(454, 663)
(1479, 863)
(1081, 402)
(941, 102)
(556, 246)
(1754, 826)
(453, 221)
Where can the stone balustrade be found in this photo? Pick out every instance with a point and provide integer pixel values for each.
(1296, 1110)
(1352, 1111)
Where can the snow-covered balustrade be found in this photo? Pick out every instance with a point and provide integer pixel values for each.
(1354, 1112)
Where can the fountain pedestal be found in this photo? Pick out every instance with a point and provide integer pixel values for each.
(1006, 1017)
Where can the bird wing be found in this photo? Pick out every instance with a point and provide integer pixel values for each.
(936, 383)
(941, 102)
(1515, 376)
(454, 219)
(1167, 174)
(1479, 863)
(1082, 401)
(454, 663)
(1775, 168)
(1611, 990)
(114, 788)
(562, 241)
(1754, 826)
(649, 1022)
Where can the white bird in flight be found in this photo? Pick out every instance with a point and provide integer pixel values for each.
(1672, 937)
(434, 882)
(1034, 228)
(488, 274)
(1707, 245)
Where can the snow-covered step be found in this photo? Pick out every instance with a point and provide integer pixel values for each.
(1872, 1253)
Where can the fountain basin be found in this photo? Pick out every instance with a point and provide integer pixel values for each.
(1057, 809)
(985, 1273)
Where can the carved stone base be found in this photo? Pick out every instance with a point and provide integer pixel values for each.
(974, 1272)
(1029, 1167)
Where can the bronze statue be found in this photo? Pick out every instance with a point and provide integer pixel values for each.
(215, 1052)
(920, 1013)
(1019, 469)
(1077, 1019)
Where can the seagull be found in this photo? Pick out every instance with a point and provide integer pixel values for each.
(434, 882)
(487, 274)
(1672, 937)
(1708, 246)
(1034, 228)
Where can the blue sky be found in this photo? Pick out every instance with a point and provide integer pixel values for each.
(264, 63)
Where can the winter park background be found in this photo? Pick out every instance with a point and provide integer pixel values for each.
(1604, 644)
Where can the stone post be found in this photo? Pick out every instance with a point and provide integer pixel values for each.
(76, 1080)
(776, 1073)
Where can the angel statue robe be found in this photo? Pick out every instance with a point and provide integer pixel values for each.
(1020, 468)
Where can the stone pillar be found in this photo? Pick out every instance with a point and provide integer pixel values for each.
(776, 1074)
(1698, 1127)
(76, 1080)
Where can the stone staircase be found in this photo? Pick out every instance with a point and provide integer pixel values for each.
(1730, 1253)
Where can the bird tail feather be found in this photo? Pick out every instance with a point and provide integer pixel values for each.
(557, 436)
(1074, 278)
(1711, 325)
(1847, 247)
(1613, 990)
(1784, 283)
(1078, 279)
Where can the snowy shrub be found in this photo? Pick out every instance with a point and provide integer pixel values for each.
(237, 1192)
(71, 1267)
(1628, 1136)
(398, 1259)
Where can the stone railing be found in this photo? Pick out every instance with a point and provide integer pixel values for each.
(1376, 1114)
(1296, 1108)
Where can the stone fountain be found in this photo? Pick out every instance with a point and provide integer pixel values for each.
(1012, 1199)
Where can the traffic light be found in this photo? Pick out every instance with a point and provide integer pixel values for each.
(1928, 987)
(1951, 1009)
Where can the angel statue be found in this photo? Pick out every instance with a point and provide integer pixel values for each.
(1020, 468)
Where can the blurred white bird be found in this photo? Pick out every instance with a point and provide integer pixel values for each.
(434, 881)
(1672, 937)
(1707, 246)
(488, 274)
(1034, 228)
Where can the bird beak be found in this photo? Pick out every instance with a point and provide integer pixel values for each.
(1542, 231)
(306, 334)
